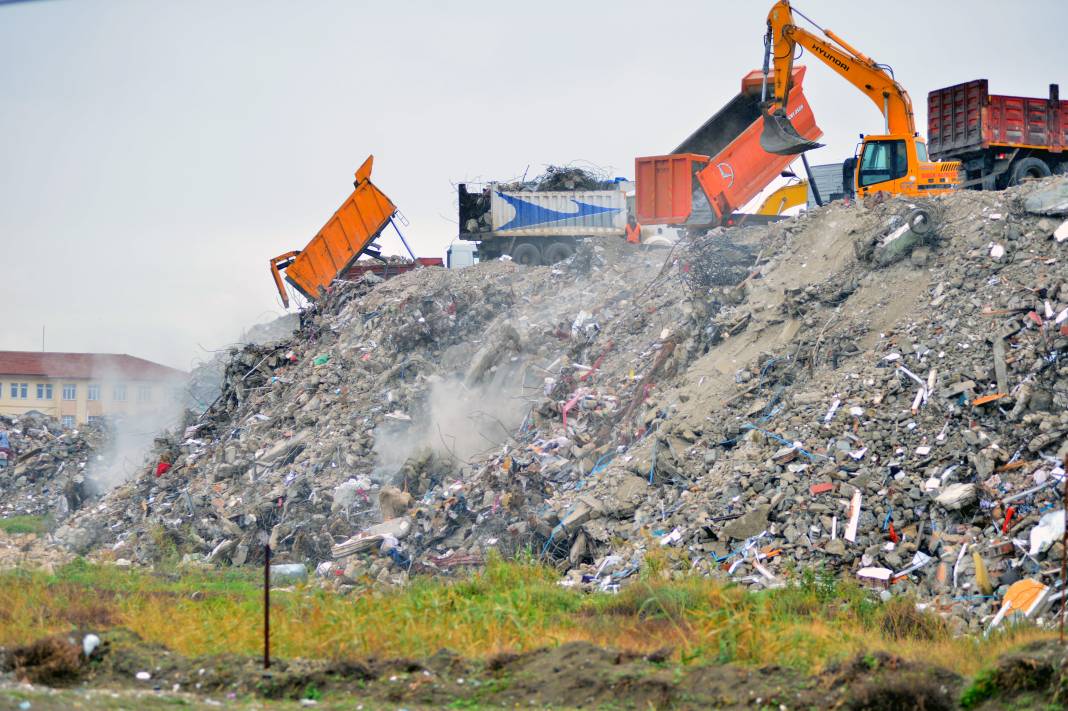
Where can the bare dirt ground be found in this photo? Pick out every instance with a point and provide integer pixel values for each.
(573, 675)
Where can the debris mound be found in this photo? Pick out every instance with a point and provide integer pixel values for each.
(47, 468)
(877, 390)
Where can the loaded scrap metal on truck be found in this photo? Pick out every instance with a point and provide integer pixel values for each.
(542, 221)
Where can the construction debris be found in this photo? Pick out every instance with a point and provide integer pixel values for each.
(759, 399)
(46, 467)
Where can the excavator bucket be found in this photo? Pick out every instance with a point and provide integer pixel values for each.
(781, 138)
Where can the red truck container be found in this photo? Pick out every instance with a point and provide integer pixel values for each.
(999, 140)
(721, 166)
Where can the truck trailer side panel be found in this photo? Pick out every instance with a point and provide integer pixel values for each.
(967, 117)
(558, 214)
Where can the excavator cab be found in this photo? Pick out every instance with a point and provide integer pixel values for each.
(899, 165)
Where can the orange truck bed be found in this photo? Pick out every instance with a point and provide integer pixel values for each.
(341, 241)
(721, 166)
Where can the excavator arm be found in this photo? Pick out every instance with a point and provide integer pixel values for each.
(872, 79)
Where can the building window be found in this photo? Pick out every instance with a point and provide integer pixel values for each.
(20, 390)
(44, 391)
(118, 393)
(96, 419)
(70, 391)
(68, 421)
(94, 392)
(144, 393)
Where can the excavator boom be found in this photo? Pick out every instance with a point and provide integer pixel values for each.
(895, 162)
(872, 79)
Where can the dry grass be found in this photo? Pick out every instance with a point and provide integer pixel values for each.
(507, 607)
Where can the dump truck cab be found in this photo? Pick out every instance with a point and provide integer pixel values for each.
(898, 164)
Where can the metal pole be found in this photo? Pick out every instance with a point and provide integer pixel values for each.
(402, 238)
(267, 606)
(812, 182)
(767, 66)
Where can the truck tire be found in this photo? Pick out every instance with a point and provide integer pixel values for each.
(527, 254)
(558, 252)
(1029, 168)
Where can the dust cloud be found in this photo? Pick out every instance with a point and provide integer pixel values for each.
(131, 436)
(457, 419)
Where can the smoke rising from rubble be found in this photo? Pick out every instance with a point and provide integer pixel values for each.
(455, 420)
(130, 439)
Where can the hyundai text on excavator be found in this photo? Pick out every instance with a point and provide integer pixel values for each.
(894, 162)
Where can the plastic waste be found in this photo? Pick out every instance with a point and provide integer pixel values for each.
(288, 572)
(1050, 528)
(89, 644)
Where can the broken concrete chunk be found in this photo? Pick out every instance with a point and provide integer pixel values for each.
(585, 509)
(749, 524)
(835, 547)
(1049, 201)
(958, 496)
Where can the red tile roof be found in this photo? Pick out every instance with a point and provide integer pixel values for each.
(101, 366)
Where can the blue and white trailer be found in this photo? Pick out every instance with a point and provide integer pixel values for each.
(539, 227)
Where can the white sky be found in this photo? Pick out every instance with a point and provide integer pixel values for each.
(155, 155)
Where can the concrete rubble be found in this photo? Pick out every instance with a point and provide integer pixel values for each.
(876, 390)
(47, 472)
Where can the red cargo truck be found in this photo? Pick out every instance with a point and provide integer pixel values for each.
(999, 140)
(721, 166)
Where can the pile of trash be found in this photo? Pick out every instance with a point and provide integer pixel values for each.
(44, 467)
(563, 178)
(880, 391)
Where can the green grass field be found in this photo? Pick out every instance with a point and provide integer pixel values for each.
(508, 606)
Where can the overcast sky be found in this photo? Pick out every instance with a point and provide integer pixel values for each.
(155, 155)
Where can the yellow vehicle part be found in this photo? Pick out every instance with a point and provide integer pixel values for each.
(784, 198)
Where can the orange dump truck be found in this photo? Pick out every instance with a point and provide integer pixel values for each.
(346, 236)
(721, 166)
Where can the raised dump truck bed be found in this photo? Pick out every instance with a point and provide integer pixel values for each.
(347, 235)
(1000, 140)
(721, 166)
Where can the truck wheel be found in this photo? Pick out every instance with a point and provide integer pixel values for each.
(527, 254)
(558, 252)
(1028, 169)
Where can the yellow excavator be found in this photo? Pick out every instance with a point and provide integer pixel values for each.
(893, 162)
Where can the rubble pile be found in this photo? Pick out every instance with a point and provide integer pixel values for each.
(47, 468)
(568, 178)
(876, 390)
